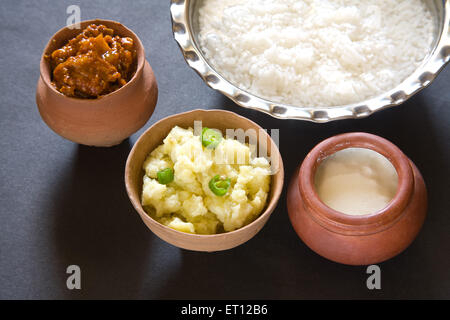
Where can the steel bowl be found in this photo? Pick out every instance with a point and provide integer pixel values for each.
(185, 30)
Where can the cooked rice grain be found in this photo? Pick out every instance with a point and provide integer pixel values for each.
(315, 53)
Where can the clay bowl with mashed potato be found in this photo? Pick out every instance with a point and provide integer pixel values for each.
(219, 120)
(105, 120)
(314, 60)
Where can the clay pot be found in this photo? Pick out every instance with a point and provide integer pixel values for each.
(105, 121)
(357, 240)
(217, 119)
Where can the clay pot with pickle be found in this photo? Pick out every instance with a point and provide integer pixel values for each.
(108, 119)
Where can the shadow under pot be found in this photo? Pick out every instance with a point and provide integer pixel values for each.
(360, 239)
(109, 119)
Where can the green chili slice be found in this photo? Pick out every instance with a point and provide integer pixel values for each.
(219, 185)
(211, 138)
(165, 176)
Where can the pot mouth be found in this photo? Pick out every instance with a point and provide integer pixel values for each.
(45, 69)
(347, 224)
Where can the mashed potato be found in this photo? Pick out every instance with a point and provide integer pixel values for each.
(187, 203)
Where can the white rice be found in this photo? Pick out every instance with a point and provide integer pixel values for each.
(315, 53)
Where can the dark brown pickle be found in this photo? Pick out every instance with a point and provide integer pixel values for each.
(93, 64)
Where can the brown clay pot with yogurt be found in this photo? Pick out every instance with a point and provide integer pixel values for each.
(357, 239)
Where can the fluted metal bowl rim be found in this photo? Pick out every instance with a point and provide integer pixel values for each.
(435, 61)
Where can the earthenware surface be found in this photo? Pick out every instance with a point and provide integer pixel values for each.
(64, 204)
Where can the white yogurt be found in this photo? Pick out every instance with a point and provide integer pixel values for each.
(356, 181)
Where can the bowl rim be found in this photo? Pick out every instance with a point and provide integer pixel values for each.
(46, 76)
(271, 204)
(342, 223)
(421, 78)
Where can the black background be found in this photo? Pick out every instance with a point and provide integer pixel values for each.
(63, 204)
